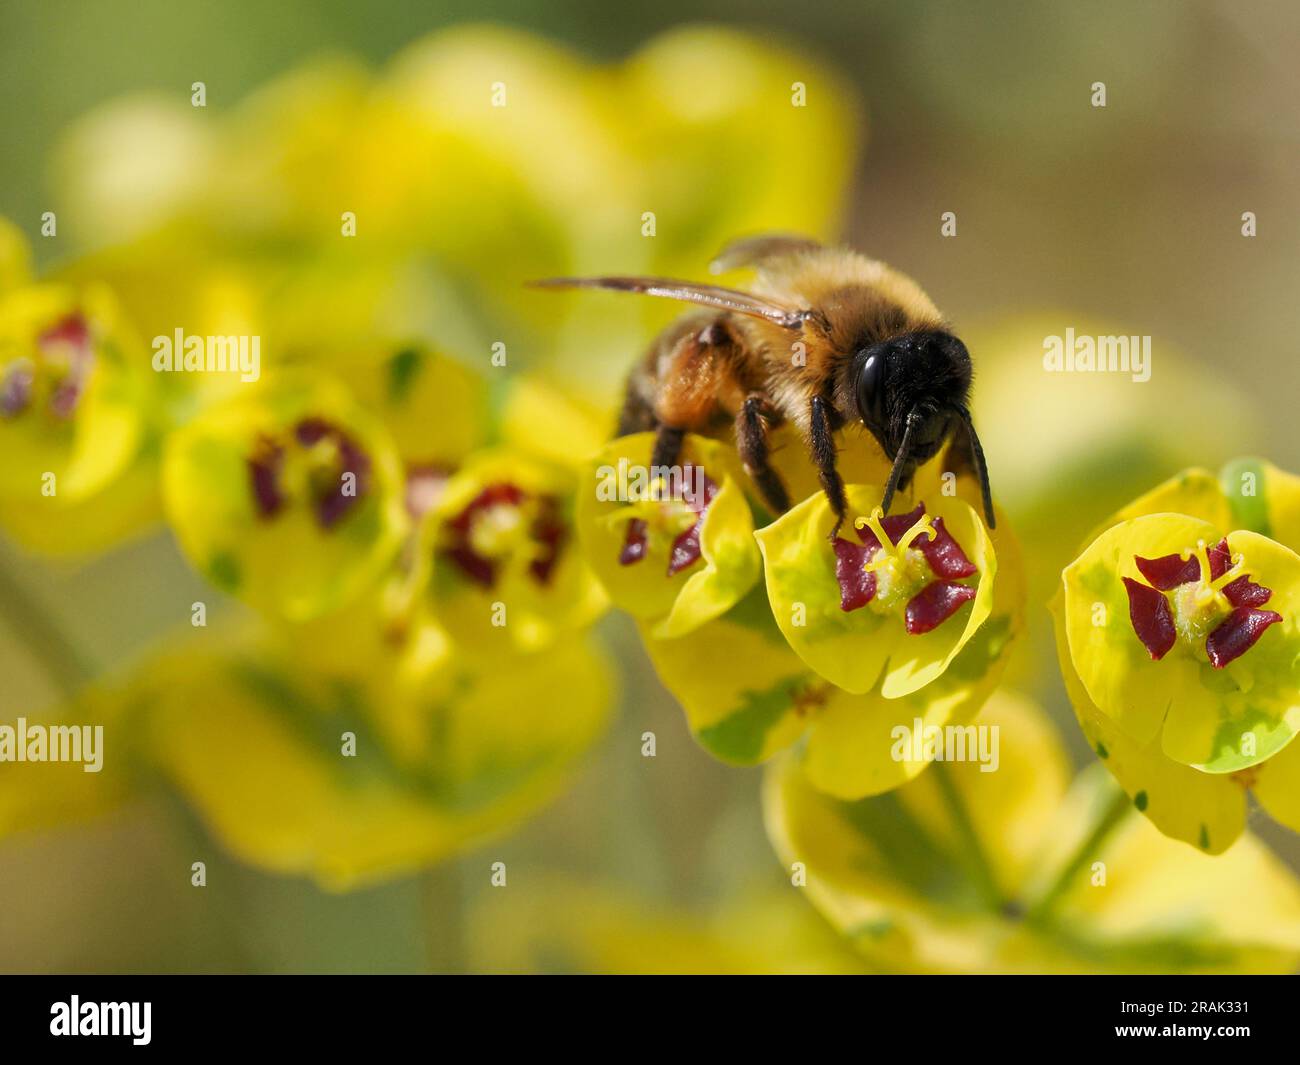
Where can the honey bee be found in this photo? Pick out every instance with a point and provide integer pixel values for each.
(827, 337)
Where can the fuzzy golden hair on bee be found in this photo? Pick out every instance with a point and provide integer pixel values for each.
(824, 337)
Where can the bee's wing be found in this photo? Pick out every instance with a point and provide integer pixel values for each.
(726, 299)
(760, 250)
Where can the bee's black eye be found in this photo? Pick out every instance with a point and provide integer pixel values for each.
(871, 385)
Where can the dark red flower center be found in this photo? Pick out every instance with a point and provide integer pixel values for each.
(674, 516)
(318, 460)
(502, 523)
(1203, 597)
(907, 561)
(58, 374)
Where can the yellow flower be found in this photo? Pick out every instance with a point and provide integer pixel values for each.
(882, 607)
(1179, 645)
(1049, 433)
(507, 574)
(301, 773)
(969, 871)
(291, 497)
(76, 412)
(673, 547)
(342, 749)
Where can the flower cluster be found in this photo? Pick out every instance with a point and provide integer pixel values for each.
(769, 632)
(384, 484)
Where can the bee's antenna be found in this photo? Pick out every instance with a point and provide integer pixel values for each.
(981, 467)
(900, 460)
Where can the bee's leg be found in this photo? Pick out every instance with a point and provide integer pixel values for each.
(751, 441)
(638, 413)
(822, 443)
(668, 446)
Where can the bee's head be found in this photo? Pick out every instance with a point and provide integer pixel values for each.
(910, 391)
(923, 376)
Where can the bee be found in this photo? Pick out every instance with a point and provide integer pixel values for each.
(827, 337)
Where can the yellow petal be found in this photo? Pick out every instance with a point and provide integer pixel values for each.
(1277, 786)
(36, 796)
(744, 691)
(891, 872)
(1232, 718)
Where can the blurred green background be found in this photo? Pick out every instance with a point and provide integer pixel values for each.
(1129, 215)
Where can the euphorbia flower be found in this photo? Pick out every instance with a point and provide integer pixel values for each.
(887, 604)
(290, 497)
(77, 413)
(1179, 649)
(70, 404)
(674, 548)
(507, 572)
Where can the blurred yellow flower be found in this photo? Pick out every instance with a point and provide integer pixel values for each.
(1016, 871)
(561, 924)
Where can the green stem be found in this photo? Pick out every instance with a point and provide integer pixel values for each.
(33, 625)
(1112, 816)
(976, 859)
